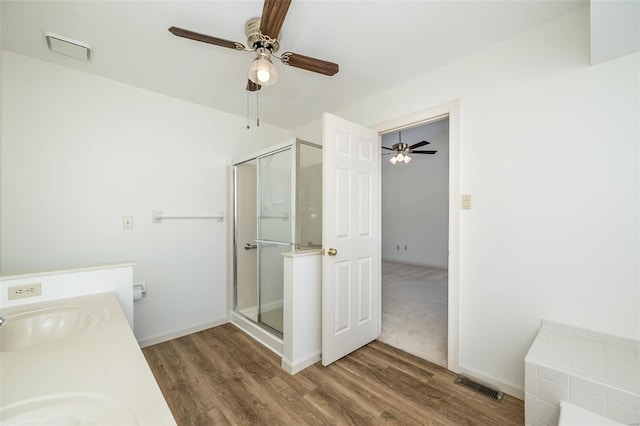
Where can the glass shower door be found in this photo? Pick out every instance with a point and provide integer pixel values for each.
(246, 232)
(275, 233)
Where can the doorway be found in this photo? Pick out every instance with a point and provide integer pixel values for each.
(415, 246)
(451, 110)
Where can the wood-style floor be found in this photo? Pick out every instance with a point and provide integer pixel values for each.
(222, 376)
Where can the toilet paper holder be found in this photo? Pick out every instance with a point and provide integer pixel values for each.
(139, 291)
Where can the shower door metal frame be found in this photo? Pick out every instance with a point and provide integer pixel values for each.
(235, 239)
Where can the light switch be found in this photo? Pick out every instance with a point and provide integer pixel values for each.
(127, 222)
(466, 201)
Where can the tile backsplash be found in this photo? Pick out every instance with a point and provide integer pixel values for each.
(594, 371)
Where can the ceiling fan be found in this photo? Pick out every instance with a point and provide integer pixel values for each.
(401, 150)
(263, 38)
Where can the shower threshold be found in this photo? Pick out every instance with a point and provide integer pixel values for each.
(260, 334)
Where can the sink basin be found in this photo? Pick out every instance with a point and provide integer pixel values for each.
(36, 328)
(68, 409)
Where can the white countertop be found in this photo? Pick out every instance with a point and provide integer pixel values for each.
(97, 376)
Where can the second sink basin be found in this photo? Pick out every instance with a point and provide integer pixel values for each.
(36, 328)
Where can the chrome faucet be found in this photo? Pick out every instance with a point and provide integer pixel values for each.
(1, 320)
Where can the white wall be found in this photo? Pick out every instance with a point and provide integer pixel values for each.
(613, 41)
(549, 152)
(80, 152)
(415, 199)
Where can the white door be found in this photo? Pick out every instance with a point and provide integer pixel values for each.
(351, 226)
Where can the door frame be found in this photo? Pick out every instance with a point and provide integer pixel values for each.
(452, 110)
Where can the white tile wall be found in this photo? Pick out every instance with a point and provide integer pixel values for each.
(597, 372)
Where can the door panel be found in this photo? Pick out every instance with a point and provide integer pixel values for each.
(364, 287)
(341, 301)
(351, 205)
(343, 198)
(365, 194)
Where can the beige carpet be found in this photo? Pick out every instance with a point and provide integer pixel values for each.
(414, 310)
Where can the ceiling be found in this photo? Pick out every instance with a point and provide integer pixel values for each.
(378, 44)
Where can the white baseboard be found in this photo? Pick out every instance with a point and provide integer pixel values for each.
(406, 262)
(295, 367)
(512, 389)
(268, 340)
(159, 338)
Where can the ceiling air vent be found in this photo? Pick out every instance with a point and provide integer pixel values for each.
(67, 46)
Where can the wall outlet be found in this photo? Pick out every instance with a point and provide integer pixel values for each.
(25, 290)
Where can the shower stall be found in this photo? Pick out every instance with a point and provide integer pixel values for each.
(278, 209)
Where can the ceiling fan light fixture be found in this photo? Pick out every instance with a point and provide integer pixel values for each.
(262, 71)
(406, 159)
(393, 160)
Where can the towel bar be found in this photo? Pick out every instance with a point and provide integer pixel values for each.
(157, 216)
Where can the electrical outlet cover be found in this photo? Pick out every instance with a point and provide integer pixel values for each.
(24, 290)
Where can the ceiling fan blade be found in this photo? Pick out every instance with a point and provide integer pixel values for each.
(390, 149)
(310, 64)
(181, 32)
(273, 14)
(419, 144)
(423, 152)
(253, 87)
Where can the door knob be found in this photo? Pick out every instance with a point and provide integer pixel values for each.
(332, 252)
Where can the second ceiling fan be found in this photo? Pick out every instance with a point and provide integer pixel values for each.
(263, 38)
(401, 150)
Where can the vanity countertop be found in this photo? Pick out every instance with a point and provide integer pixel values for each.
(92, 373)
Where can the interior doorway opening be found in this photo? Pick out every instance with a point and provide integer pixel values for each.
(415, 238)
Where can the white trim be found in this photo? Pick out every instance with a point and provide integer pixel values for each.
(165, 337)
(69, 271)
(231, 214)
(293, 368)
(267, 339)
(512, 389)
(452, 110)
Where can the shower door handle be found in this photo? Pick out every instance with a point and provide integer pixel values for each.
(249, 246)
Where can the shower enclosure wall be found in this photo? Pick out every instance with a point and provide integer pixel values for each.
(278, 196)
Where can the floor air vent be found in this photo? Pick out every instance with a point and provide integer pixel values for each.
(477, 387)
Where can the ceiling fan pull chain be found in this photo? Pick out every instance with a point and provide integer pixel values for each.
(257, 109)
(248, 126)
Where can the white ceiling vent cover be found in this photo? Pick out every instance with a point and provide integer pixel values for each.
(67, 46)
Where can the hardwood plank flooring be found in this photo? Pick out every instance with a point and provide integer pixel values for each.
(221, 376)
